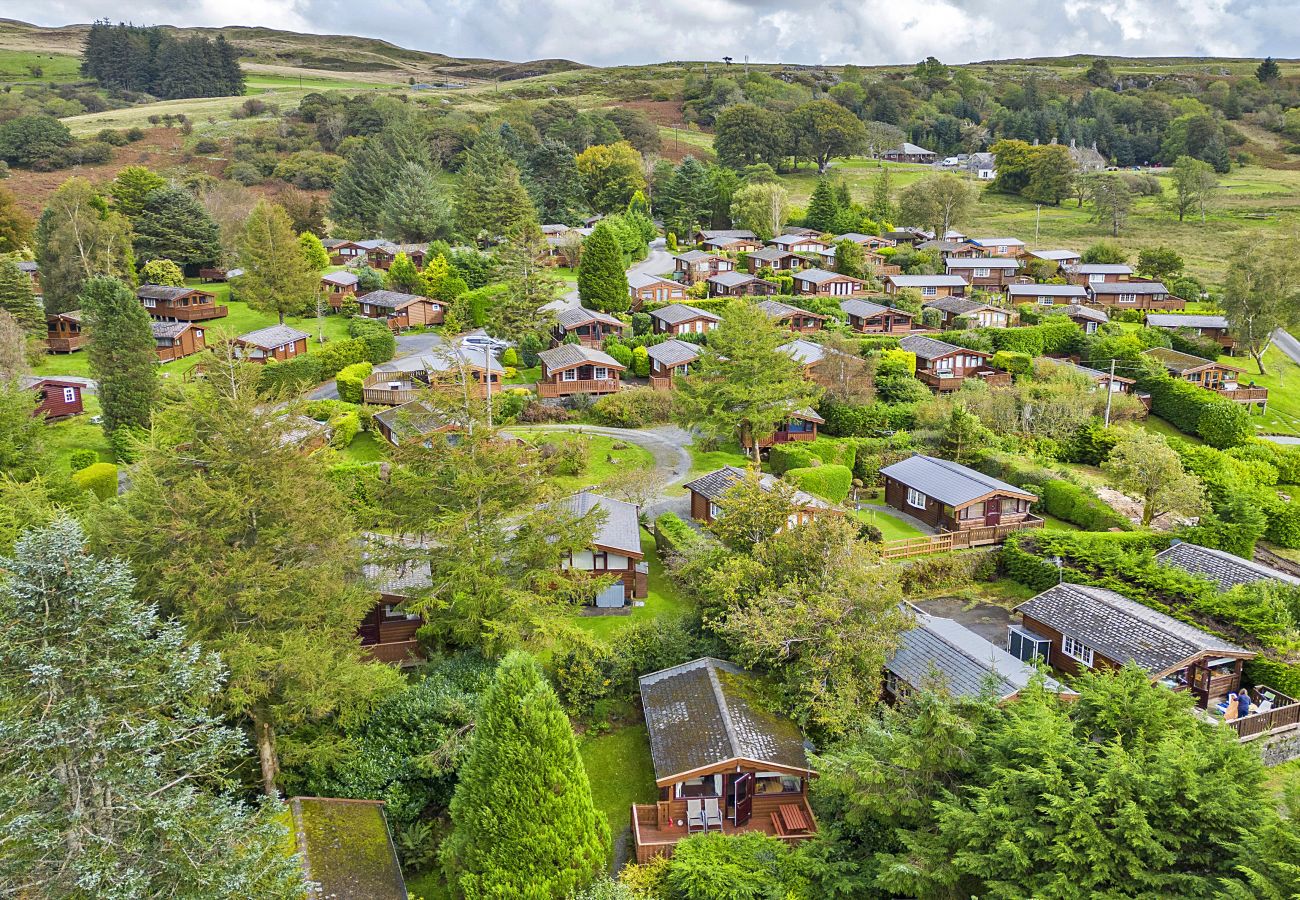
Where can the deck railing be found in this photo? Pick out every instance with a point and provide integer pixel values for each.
(1244, 394)
(586, 386)
(990, 377)
(1284, 716)
(200, 313)
(955, 540)
(65, 344)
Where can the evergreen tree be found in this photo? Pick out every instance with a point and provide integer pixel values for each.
(964, 435)
(416, 207)
(117, 780)
(15, 358)
(554, 185)
(404, 276)
(277, 277)
(523, 819)
(77, 237)
(121, 352)
(822, 206)
(359, 196)
(19, 300)
(1268, 71)
(16, 227)
(491, 201)
(131, 188)
(173, 225)
(530, 288)
(686, 201)
(162, 271)
(314, 252)
(602, 280)
(267, 578)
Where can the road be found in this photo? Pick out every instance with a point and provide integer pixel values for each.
(657, 262)
(1287, 344)
(407, 345)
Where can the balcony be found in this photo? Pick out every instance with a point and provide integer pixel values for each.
(1283, 716)
(68, 344)
(548, 389)
(979, 536)
(1244, 394)
(944, 383)
(655, 830)
(200, 313)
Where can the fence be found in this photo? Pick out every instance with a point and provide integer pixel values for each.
(1284, 716)
(954, 540)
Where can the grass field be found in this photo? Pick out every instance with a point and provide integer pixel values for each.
(1283, 383)
(703, 461)
(662, 597)
(77, 433)
(891, 528)
(21, 65)
(603, 460)
(365, 448)
(618, 764)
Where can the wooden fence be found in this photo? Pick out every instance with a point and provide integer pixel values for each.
(1284, 716)
(954, 540)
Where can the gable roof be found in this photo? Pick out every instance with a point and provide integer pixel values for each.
(959, 306)
(1158, 320)
(997, 241)
(1179, 362)
(167, 292)
(777, 310)
(1224, 569)
(1055, 255)
(864, 309)
(805, 353)
(1104, 269)
(620, 531)
(676, 313)
(931, 348)
(821, 276)
(170, 330)
(967, 664)
(413, 418)
(944, 246)
(346, 279)
(732, 278)
(1078, 311)
(271, 337)
(694, 256)
(1122, 629)
(346, 848)
(927, 280)
(949, 482)
(1094, 374)
(718, 482)
(712, 233)
(982, 262)
(395, 299)
(704, 713)
(577, 316)
(785, 240)
(1127, 287)
(566, 355)
(673, 352)
(908, 149)
(444, 358)
(772, 254)
(643, 280)
(71, 315)
(1046, 290)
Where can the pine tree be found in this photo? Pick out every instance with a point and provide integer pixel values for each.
(121, 353)
(18, 299)
(602, 280)
(416, 207)
(822, 206)
(16, 227)
(172, 224)
(404, 276)
(686, 201)
(77, 237)
(131, 187)
(363, 186)
(554, 185)
(314, 252)
(524, 822)
(491, 201)
(117, 781)
(162, 271)
(530, 288)
(277, 277)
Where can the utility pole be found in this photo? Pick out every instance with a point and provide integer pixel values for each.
(1037, 215)
(1110, 389)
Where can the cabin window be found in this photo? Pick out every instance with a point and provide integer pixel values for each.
(896, 686)
(981, 272)
(929, 291)
(776, 783)
(704, 786)
(797, 426)
(569, 375)
(1044, 301)
(1002, 248)
(69, 395)
(601, 373)
(974, 511)
(1096, 278)
(600, 560)
(149, 302)
(1076, 649)
(1128, 298)
(915, 498)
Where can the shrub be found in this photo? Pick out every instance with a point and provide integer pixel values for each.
(291, 375)
(640, 362)
(829, 482)
(510, 357)
(896, 362)
(349, 380)
(784, 457)
(1012, 361)
(901, 389)
(1284, 524)
(1072, 503)
(621, 352)
(633, 408)
(344, 428)
(206, 146)
(244, 173)
(333, 357)
(1184, 405)
(565, 455)
(641, 323)
(82, 458)
(99, 478)
(673, 535)
(931, 573)
(1225, 424)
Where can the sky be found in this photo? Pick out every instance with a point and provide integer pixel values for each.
(865, 32)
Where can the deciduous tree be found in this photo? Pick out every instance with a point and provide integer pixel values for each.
(162, 271)
(823, 130)
(1144, 465)
(1261, 294)
(78, 237)
(1112, 202)
(937, 202)
(131, 187)
(16, 227)
(122, 354)
(277, 278)
(1195, 184)
(611, 174)
(761, 208)
(746, 135)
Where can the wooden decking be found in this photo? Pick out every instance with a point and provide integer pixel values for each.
(65, 344)
(200, 313)
(547, 389)
(945, 383)
(955, 540)
(655, 839)
(1245, 394)
(1284, 716)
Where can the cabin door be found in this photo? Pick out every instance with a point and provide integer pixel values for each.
(742, 797)
(992, 511)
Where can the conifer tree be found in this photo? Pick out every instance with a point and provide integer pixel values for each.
(172, 224)
(491, 201)
(121, 353)
(314, 252)
(363, 187)
(19, 300)
(602, 280)
(530, 288)
(822, 206)
(404, 276)
(524, 822)
(416, 207)
(117, 780)
(131, 187)
(554, 184)
(277, 277)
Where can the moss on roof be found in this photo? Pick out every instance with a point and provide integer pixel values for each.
(348, 850)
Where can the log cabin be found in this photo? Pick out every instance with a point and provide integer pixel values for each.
(1099, 273)
(1215, 328)
(811, 357)
(414, 420)
(945, 655)
(590, 326)
(64, 333)
(708, 489)
(1086, 317)
(993, 274)
(447, 366)
(615, 548)
(670, 359)
(1046, 294)
(909, 153)
(927, 285)
(1118, 383)
(999, 246)
(869, 242)
(643, 289)
(975, 314)
(397, 570)
(1064, 260)
(681, 318)
(950, 249)
(774, 258)
(821, 283)
(865, 317)
(177, 340)
(577, 369)
(338, 287)
(1226, 570)
(1134, 295)
(714, 747)
(1209, 374)
(381, 254)
(345, 253)
(402, 310)
(797, 320)
(798, 243)
(278, 342)
(696, 265)
(1077, 628)
(943, 366)
(948, 496)
(731, 244)
(55, 397)
(740, 284)
(179, 304)
(704, 235)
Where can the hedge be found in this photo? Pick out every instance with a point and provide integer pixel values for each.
(100, 478)
(870, 420)
(902, 358)
(784, 457)
(1056, 336)
(830, 482)
(344, 428)
(350, 379)
(1013, 362)
(1185, 406)
(673, 535)
(82, 458)
(1057, 496)
(291, 375)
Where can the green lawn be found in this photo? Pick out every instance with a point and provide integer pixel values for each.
(662, 597)
(77, 433)
(704, 461)
(365, 448)
(1051, 523)
(1283, 383)
(18, 65)
(526, 376)
(261, 82)
(429, 886)
(603, 461)
(1160, 426)
(621, 773)
(891, 528)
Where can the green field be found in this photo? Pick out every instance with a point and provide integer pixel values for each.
(618, 764)
(1283, 383)
(18, 65)
(261, 82)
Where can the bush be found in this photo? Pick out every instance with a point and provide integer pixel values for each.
(1284, 524)
(829, 482)
(641, 323)
(635, 408)
(1184, 405)
(621, 352)
(1078, 506)
(949, 570)
(1014, 362)
(1225, 424)
(896, 362)
(335, 356)
(510, 357)
(244, 173)
(901, 389)
(82, 458)
(672, 535)
(344, 428)
(784, 457)
(291, 376)
(111, 136)
(206, 146)
(99, 478)
(349, 380)
(869, 420)
(640, 362)
(1059, 335)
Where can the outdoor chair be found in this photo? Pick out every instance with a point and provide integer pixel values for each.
(695, 816)
(712, 813)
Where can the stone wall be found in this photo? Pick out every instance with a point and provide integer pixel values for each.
(1278, 748)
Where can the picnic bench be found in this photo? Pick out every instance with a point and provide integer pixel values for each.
(789, 819)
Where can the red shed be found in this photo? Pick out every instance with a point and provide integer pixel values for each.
(58, 398)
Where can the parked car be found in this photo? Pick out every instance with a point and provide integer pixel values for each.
(481, 341)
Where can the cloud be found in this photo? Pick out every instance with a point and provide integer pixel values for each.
(866, 32)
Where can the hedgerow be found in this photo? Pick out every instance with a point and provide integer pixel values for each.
(829, 482)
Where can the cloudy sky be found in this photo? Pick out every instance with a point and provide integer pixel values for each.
(605, 32)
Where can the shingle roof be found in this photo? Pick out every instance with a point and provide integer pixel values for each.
(929, 348)
(444, 358)
(966, 664)
(673, 352)
(733, 278)
(944, 246)
(566, 355)
(985, 262)
(347, 279)
(386, 565)
(777, 310)
(716, 483)
(805, 353)
(415, 417)
(785, 240)
(1224, 569)
(26, 265)
(1046, 290)
(168, 329)
(703, 713)
(676, 313)
(164, 292)
(1179, 362)
(694, 256)
(771, 254)
(576, 316)
(927, 280)
(1157, 320)
(72, 315)
(947, 481)
(1121, 629)
(908, 149)
(819, 276)
(857, 237)
(393, 299)
(642, 280)
(1104, 269)
(272, 337)
(1128, 287)
(865, 309)
(1075, 310)
(958, 306)
(742, 233)
(620, 530)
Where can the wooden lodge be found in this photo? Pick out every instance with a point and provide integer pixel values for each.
(56, 397)
(345, 849)
(615, 548)
(575, 369)
(338, 287)
(740, 284)
(721, 762)
(396, 570)
(721, 236)
(869, 242)
(1209, 374)
(643, 289)
(696, 265)
(943, 366)
(278, 342)
(33, 272)
(346, 253)
(1086, 274)
(1064, 260)
(668, 360)
(1226, 570)
(950, 248)
(708, 489)
(999, 246)
(909, 153)
(865, 317)
(927, 285)
(177, 340)
(1076, 628)
(590, 326)
(1086, 317)
(413, 420)
(798, 320)
(681, 318)
(799, 243)
(948, 496)
(381, 254)
(821, 283)
(1118, 383)
(179, 304)
(403, 380)
(993, 274)
(1215, 328)
(774, 258)
(63, 332)
(402, 310)
(1133, 295)
(976, 314)
(1046, 294)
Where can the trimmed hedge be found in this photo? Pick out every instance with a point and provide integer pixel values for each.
(673, 535)
(1055, 336)
(82, 458)
(1186, 406)
(99, 478)
(349, 381)
(830, 482)
(870, 420)
(1057, 496)
(1014, 362)
(784, 457)
(344, 428)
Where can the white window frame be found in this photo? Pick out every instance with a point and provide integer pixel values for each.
(1096, 277)
(149, 302)
(600, 373)
(1127, 298)
(916, 498)
(1077, 650)
(981, 272)
(930, 291)
(569, 375)
(69, 395)
(715, 511)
